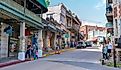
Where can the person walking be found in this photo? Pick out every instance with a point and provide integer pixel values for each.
(110, 47)
(104, 51)
(57, 49)
(28, 52)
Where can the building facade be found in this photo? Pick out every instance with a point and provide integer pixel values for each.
(69, 22)
(92, 33)
(113, 14)
(95, 30)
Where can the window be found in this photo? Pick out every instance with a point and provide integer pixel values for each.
(109, 1)
(62, 19)
(115, 12)
(49, 15)
(116, 26)
(68, 22)
(63, 11)
(115, 1)
(119, 10)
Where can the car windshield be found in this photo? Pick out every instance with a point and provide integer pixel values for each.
(80, 42)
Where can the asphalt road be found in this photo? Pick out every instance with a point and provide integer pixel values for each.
(80, 59)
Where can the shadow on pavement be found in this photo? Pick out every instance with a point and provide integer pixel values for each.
(87, 65)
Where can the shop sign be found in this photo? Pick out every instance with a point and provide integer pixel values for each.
(8, 30)
(66, 35)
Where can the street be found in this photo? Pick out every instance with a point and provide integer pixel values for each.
(79, 59)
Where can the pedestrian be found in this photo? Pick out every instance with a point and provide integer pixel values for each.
(110, 47)
(28, 52)
(71, 44)
(35, 52)
(68, 44)
(57, 48)
(104, 51)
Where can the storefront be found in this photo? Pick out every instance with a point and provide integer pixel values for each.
(13, 16)
(49, 35)
(9, 40)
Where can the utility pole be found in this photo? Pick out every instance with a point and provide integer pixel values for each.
(114, 54)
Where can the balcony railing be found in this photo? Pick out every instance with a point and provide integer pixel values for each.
(75, 27)
(20, 9)
(109, 10)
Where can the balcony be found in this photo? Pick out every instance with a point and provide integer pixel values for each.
(75, 27)
(69, 26)
(109, 10)
(18, 10)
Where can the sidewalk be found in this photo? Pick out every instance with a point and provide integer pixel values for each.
(11, 61)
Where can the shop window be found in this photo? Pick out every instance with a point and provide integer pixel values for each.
(73, 37)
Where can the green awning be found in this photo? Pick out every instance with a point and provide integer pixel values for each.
(40, 5)
(109, 25)
(45, 3)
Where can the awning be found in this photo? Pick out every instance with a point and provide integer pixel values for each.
(49, 26)
(59, 30)
(63, 31)
(109, 25)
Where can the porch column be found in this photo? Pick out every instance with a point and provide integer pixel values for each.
(55, 40)
(21, 54)
(46, 40)
(40, 43)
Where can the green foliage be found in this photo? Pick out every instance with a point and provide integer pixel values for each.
(111, 64)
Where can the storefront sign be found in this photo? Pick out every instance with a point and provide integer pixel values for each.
(66, 35)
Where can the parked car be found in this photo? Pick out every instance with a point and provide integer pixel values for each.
(81, 44)
(88, 44)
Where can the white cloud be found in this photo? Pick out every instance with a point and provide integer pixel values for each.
(100, 4)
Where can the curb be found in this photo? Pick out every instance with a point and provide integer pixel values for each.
(11, 63)
(61, 51)
(18, 61)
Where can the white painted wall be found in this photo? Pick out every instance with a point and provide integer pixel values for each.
(93, 33)
(59, 13)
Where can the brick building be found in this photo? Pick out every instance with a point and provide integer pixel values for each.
(90, 32)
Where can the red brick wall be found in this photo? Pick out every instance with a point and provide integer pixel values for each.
(85, 29)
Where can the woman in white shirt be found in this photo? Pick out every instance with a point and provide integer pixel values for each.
(110, 47)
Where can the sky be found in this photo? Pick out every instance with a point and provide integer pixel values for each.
(86, 10)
